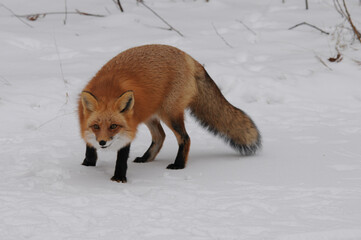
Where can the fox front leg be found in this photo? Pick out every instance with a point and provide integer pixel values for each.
(121, 165)
(90, 156)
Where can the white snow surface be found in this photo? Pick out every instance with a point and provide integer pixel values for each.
(305, 184)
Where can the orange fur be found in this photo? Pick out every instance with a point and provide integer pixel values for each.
(160, 82)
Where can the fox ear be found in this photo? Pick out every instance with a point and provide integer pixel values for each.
(89, 101)
(125, 102)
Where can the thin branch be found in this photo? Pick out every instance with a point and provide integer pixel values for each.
(66, 12)
(106, 9)
(249, 29)
(338, 8)
(53, 119)
(357, 33)
(61, 71)
(87, 14)
(219, 35)
(156, 27)
(27, 24)
(323, 63)
(171, 27)
(35, 16)
(310, 25)
(120, 6)
(343, 11)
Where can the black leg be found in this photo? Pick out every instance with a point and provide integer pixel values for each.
(146, 155)
(184, 144)
(90, 156)
(181, 159)
(121, 165)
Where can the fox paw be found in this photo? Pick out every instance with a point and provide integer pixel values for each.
(140, 160)
(119, 179)
(88, 163)
(174, 166)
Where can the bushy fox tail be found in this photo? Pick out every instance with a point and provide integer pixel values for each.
(221, 118)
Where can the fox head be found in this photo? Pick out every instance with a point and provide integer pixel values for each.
(107, 122)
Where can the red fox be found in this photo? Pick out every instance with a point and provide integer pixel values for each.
(150, 83)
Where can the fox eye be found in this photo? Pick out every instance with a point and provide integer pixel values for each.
(113, 126)
(96, 126)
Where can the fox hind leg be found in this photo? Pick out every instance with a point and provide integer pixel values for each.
(158, 137)
(178, 128)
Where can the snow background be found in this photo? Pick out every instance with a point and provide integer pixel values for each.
(304, 184)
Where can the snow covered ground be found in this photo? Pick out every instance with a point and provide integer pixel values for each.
(304, 185)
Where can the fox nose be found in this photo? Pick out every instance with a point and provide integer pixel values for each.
(102, 143)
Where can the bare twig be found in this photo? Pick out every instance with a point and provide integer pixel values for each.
(62, 72)
(106, 9)
(343, 11)
(66, 12)
(27, 24)
(170, 26)
(87, 14)
(53, 119)
(338, 8)
(35, 16)
(348, 17)
(249, 29)
(221, 37)
(323, 63)
(310, 25)
(120, 6)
